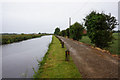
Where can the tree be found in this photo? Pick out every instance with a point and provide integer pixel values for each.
(76, 31)
(67, 32)
(63, 33)
(57, 31)
(39, 33)
(22, 33)
(100, 28)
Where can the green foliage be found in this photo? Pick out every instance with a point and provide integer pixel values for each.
(39, 33)
(100, 28)
(63, 33)
(67, 32)
(76, 31)
(22, 33)
(6, 39)
(114, 48)
(57, 31)
(54, 65)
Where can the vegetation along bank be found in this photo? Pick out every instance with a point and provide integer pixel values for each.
(97, 30)
(54, 65)
(10, 38)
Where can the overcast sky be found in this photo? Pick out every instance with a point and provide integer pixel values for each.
(32, 16)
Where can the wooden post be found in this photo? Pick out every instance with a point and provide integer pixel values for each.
(67, 55)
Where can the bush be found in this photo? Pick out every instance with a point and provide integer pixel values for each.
(100, 28)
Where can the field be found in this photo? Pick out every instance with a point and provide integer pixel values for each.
(113, 47)
(6, 39)
(54, 65)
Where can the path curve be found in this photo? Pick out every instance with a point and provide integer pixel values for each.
(90, 62)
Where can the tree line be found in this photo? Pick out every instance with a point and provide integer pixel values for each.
(75, 31)
(99, 27)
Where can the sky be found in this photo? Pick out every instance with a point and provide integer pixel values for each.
(33, 16)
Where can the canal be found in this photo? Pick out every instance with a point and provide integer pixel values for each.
(19, 59)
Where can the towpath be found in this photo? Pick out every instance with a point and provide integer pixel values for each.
(91, 63)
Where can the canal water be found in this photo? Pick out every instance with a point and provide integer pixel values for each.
(19, 59)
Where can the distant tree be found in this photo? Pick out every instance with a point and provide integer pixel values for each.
(22, 33)
(57, 31)
(39, 33)
(67, 32)
(118, 31)
(76, 31)
(100, 28)
(63, 33)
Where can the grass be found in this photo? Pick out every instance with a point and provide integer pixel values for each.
(114, 47)
(54, 65)
(6, 39)
(86, 39)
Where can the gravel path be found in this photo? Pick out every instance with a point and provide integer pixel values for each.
(91, 62)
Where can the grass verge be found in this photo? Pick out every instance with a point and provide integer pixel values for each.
(54, 65)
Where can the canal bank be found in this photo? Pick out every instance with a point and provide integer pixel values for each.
(54, 65)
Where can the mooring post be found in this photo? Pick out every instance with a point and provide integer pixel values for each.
(67, 55)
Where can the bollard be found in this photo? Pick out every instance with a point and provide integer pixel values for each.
(67, 55)
(62, 44)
